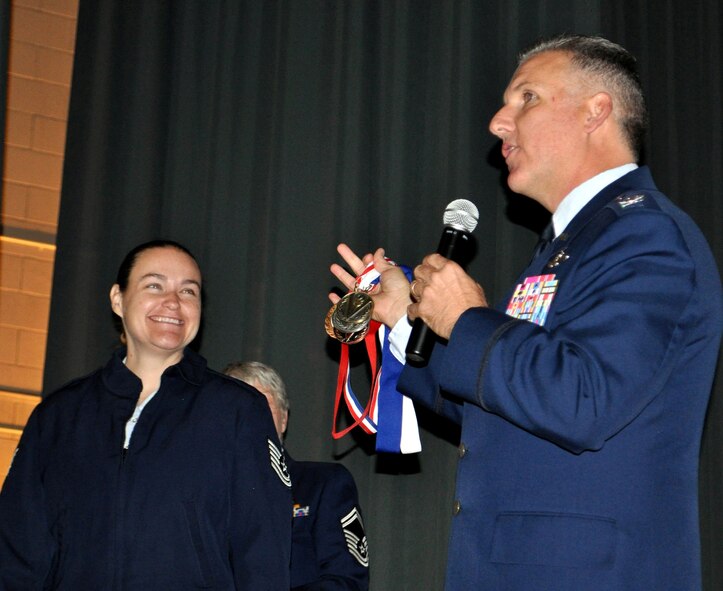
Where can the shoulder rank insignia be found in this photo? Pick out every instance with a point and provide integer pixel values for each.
(356, 538)
(278, 463)
(624, 201)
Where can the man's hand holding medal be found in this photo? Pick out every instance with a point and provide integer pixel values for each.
(379, 291)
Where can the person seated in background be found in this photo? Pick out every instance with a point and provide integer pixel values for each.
(329, 546)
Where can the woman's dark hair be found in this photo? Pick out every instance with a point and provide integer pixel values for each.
(124, 271)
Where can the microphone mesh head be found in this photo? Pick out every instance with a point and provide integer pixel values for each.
(461, 215)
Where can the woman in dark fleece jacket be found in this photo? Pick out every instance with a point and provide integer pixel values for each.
(151, 473)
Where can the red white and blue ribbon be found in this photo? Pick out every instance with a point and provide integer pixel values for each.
(388, 413)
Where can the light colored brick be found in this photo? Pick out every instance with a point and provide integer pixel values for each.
(34, 168)
(54, 65)
(11, 270)
(23, 406)
(19, 130)
(14, 202)
(42, 28)
(15, 408)
(27, 3)
(21, 310)
(30, 225)
(27, 248)
(48, 135)
(66, 7)
(9, 439)
(43, 206)
(37, 276)
(22, 59)
(8, 345)
(31, 348)
(40, 63)
(7, 409)
(21, 378)
(42, 41)
(38, 97)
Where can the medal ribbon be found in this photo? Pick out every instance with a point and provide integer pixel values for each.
(387, 413)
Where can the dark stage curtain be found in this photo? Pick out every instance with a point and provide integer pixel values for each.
(261, 134)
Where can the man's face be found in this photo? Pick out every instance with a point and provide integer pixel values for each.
(541, 126)
(280, 416)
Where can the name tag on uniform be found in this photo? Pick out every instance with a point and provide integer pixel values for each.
(532, 298)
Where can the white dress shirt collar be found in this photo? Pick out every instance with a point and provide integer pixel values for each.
(579, 197)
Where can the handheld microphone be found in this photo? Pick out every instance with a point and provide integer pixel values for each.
(460, 219)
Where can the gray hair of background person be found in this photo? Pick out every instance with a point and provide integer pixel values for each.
(267, 377)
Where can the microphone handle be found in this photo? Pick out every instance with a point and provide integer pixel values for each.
(454, 245)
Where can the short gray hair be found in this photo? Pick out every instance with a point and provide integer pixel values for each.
(267, 377)
(615, 68)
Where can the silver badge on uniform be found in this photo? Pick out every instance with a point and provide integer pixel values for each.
(356, 539)
(558, 258)
(627, 200)
(278, 463)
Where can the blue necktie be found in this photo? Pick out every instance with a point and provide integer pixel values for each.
(547, 236)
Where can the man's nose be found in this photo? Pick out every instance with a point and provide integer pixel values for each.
(502, 123)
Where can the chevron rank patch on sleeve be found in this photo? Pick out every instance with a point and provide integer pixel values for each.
(356, 538)
(278, 463)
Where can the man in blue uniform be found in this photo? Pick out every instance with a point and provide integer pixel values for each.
(582, 395)
(329, 546)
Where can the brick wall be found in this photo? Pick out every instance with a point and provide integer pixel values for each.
(16, 408)
(42, 41)
(26, 270)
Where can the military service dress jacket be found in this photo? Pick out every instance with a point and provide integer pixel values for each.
(582, 408)
(329, 549)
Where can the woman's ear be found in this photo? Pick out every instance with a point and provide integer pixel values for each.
(116, 299)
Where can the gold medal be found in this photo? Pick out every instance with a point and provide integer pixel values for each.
(348, 320)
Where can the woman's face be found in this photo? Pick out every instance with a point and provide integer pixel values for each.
(161, 305)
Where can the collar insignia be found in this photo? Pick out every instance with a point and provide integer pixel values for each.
(558, 258)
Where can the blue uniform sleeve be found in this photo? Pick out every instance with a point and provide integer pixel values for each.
(261, 506)
(613, 334)
(27, 547)
(338, 536)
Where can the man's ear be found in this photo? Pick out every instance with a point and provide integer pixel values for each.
(599, 108)
(116, 300)
(284, 422)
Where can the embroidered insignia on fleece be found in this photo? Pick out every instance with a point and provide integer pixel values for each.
(278, 463)
(356, 539)
(532, 298)
(300, 511)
